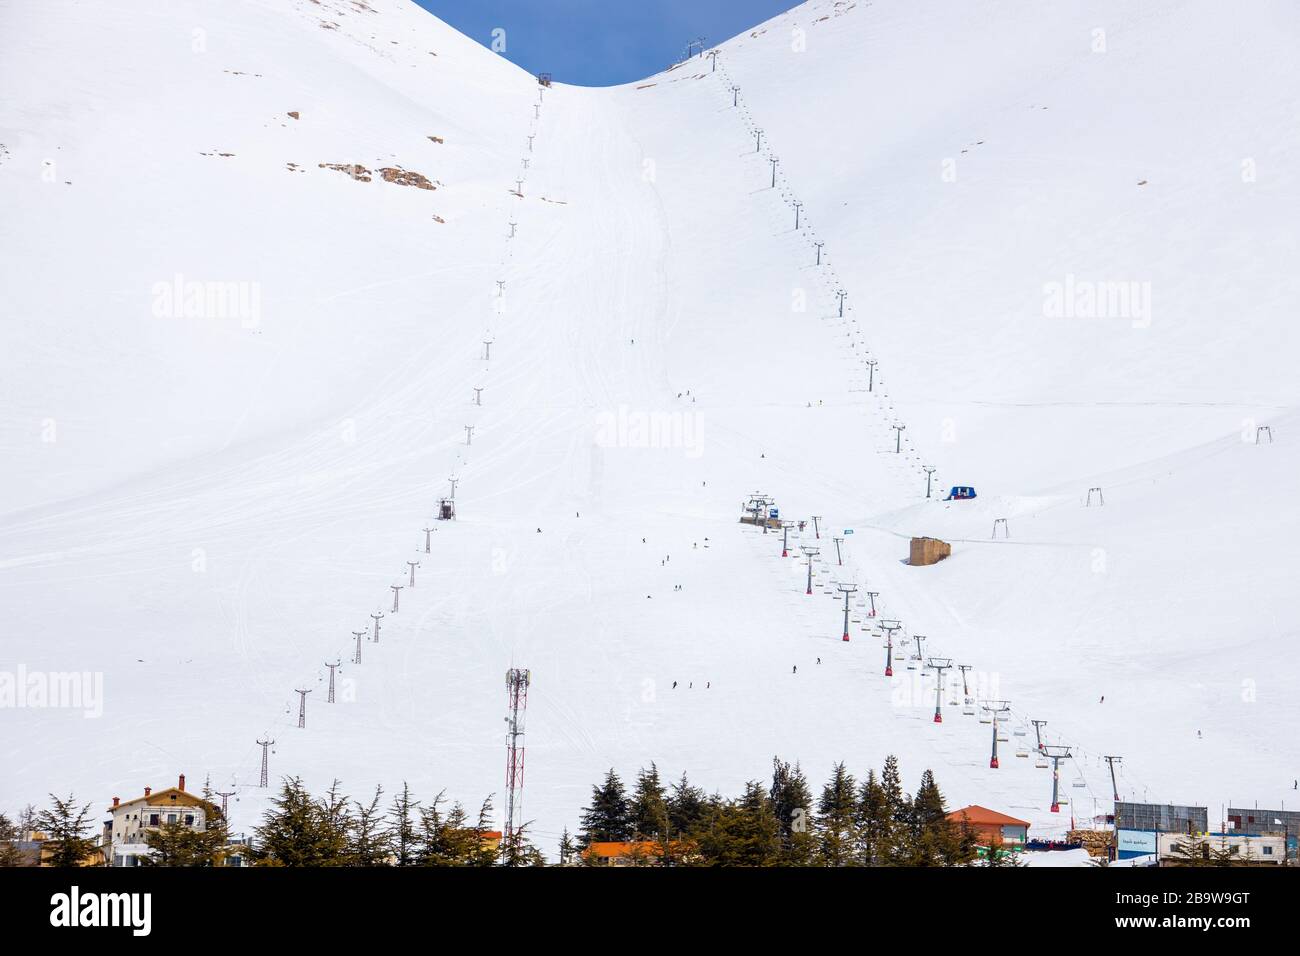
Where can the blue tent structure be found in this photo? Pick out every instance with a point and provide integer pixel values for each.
(960, 493)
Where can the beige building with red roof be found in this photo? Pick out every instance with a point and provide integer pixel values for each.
(124, 831)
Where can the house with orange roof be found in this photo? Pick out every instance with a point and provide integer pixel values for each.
(632, 852)
(992, 828)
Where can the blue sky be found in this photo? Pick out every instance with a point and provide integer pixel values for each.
(601, 42)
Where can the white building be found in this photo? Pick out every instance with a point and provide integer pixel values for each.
(1251, 848)
(125, 830)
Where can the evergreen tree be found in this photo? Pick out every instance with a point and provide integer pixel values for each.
(444, 840)
(451, 840)
(648, 808)
(930, 835)
(1229, 856)
(402, 834)
(792, 806)
(27, 822)
(998, 855)
(837, 819)
(176, 844)
(518, 849)
(1188, 851)
(299, 831)
(65, 827)
(608, 818)
(685, 806)
(898, 812)
(369, 842)
(482, 853)
(568, 849)
(877, 834)
(740, 832)
(336, 816)
(10, 855)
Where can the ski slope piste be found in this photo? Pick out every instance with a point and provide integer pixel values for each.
(278, 274)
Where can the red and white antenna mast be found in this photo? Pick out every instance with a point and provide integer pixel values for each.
(517, 681)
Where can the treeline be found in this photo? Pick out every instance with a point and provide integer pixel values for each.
(872, 822)
(298, 829)
(868, 822)
(333, 830)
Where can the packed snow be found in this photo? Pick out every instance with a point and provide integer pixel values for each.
(202, 502)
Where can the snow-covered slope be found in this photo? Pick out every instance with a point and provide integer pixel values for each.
(204, 508)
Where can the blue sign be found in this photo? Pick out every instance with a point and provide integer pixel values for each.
(1135, 843)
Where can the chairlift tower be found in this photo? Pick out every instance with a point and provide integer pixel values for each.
(1110, 762)
(302, 706)
(889, 627)
(358, 635)
(1056, 754)
(785, 538)
(847, 590)
(265, 745)
(330, 698)
(810, 553)
(225, 795)
(995, 708)
(939, 664)
(1038, 733)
